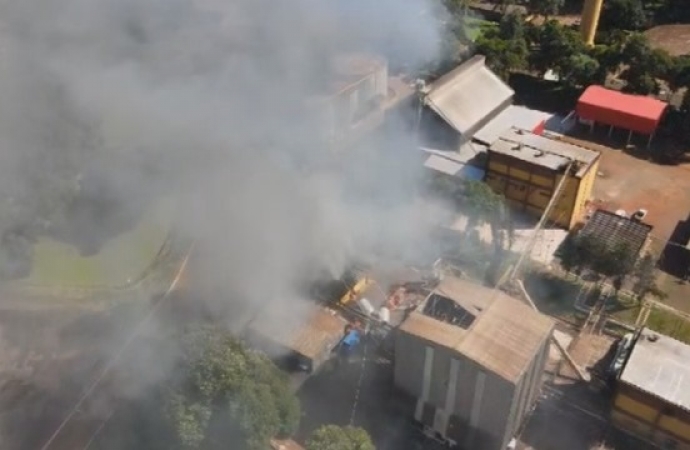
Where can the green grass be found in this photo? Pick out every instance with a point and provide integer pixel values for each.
(474, 26)
(660, 320)
(122, 259)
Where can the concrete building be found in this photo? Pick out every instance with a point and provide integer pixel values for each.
(464, 112)
(527, 169)
(353, 99)
(652, 398)
(473, 358)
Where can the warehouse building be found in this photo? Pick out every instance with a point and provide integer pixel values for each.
(303, 338)
(527, 169)
(352, 100)
(634, 113)
(473, 359)
(652, 398)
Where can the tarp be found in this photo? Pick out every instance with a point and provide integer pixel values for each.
(351, 339)
(630, 112)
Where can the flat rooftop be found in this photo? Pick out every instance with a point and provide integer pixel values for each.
(548, 152)
(660, 366)
(494, 330)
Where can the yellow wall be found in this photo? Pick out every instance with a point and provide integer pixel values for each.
(647, 421)
(584, 194)
(531, 192)
(637, 409)
(675, 427)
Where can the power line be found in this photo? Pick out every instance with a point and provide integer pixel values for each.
(116, 358)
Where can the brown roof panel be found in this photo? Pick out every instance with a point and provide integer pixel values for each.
(503, 338)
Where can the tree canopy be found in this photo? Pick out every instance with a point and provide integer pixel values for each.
(332, 437)
(224, 393)
(590, 252)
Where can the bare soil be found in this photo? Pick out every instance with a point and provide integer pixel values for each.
(675, 39)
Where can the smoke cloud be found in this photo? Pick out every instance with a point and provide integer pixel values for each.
(205, 101)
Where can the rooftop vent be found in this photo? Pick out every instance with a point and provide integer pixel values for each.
(652, 337)
(516, 147)
(539, 154)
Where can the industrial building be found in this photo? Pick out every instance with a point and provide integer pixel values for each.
(527, 169)
(652, 397)
(634, 113)
(473, 358)
(303, 337)
(353, 100)
(464, 112)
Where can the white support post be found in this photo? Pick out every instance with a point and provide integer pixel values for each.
(629, 137)
(649, 141)
(610, 130)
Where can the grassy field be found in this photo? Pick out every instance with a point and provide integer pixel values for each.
(122, 259)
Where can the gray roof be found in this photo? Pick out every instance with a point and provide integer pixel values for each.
(454, 168)
(614, 230)
(512, 117)
(467, 95)
(661, 368)
(549, 152)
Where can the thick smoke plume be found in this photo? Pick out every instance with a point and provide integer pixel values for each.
(204, 101)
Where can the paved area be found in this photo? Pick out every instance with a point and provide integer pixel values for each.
(591, 352)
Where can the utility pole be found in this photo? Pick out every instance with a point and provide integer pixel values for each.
(544, 217)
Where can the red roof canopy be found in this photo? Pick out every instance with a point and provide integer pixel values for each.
(631, 112)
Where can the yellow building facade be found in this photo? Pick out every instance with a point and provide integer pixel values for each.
(652, 397)
(527, 169)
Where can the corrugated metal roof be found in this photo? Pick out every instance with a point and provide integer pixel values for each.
(512, 117)
(614, 230)
(467, 95)
(660, 368)
(503, 339)
(311, 337)
(453, 168)
(551, 153)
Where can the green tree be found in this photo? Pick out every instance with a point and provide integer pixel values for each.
(581, 69)
(629, 15)
(332, 437)
(223, 392)
(555, 46)
(503, 56)
(679, 73)
(645, 280)
(545, 8)
(644, 65)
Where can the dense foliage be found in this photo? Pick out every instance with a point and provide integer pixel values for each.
(332, 437)
(224, 395)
